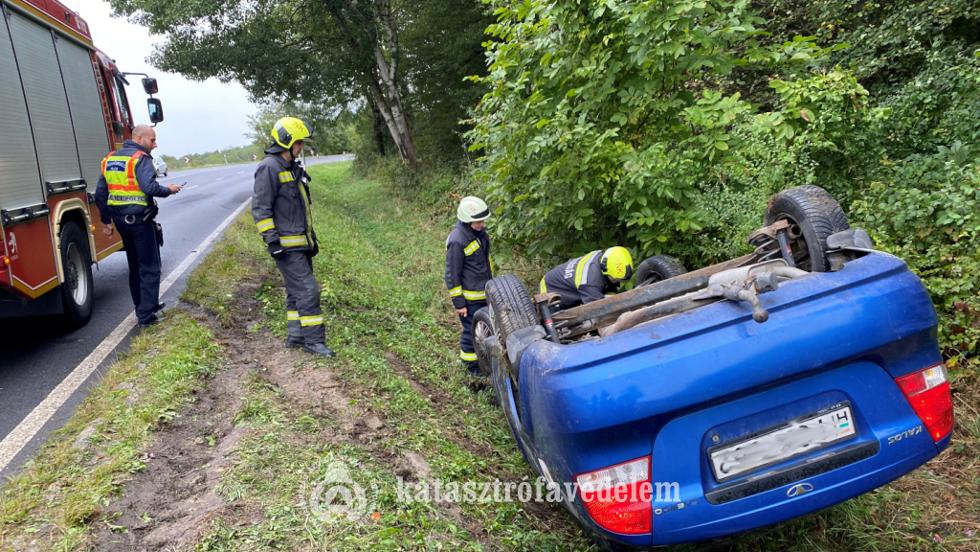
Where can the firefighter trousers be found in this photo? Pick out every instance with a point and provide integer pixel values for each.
(467, 353)
(304, 319)
(143, 257)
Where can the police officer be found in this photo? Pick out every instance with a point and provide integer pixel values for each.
(281, 209)
(124, 196)
(588, 278)
(467, 271)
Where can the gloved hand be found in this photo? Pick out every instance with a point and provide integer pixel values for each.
(276, 250)
(316, 248)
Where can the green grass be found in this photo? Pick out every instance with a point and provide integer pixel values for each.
(60, 494)
(388, 316)
(380, 270)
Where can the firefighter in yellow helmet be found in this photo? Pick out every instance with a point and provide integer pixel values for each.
(467, 271)
(281, 209)
(589, 277)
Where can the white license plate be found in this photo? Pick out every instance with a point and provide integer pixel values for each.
(791, 440)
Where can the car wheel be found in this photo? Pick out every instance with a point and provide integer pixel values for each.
(658, 268)
(512, 310)
(482, 330)
(813, 215)
(511, 305)
(76, 291)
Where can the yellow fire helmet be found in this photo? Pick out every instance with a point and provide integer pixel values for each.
(288, 130)
(617, 263)
(472, 209)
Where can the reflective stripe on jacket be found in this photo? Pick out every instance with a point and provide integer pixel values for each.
(281, 203)
(467, 265)
(577, 281)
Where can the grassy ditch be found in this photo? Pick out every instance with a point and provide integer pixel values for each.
(395, 405)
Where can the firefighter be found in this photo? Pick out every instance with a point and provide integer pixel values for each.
(588, 278)
(281, 209)
(124, 196)
(467, 271)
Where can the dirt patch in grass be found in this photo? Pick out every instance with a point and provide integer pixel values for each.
(175, 500)
(172, 501)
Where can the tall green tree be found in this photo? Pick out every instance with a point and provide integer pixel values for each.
(333, 52)
(403, 63)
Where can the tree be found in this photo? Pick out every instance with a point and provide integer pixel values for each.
(334, 52)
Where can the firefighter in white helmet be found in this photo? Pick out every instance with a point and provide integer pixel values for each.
(467, 271)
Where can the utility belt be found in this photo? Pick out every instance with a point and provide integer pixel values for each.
(148, 217)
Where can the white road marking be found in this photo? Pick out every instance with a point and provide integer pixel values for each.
(17, 439)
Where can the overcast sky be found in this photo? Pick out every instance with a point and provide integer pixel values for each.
(200, 116)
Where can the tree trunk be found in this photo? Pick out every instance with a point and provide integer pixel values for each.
(371, 29)
(388, 99)
(386, 78)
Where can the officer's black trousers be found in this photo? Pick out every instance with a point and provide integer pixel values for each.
(467, 353)
(143, 257)
(304, 317)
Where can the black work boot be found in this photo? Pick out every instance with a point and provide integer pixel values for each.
(319, 349)
(294, 342)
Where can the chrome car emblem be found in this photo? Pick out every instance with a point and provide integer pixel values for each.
(799, 489)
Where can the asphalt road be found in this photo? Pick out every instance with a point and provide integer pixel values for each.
(34, 357)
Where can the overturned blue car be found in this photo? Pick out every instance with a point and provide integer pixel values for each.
(705, 403)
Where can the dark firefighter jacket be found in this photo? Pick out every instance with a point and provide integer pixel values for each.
(467, 264)
(146, 176)
(578, 281)
(281, 204)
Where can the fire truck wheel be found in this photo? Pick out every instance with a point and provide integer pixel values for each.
(76, 291)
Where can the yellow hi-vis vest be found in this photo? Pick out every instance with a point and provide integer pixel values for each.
(120, 175)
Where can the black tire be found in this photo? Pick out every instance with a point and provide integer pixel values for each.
(658, 268)
(77, 291)
(512, 306)
(482, 329)
(814, 215)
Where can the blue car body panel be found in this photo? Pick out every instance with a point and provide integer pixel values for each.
(678, 386)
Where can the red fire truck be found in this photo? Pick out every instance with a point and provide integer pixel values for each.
(63, 107)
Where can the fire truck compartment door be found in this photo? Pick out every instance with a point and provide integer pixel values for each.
(86, 108)
(54, 138)
(20, 183)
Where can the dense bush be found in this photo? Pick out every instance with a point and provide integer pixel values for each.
(926, 210)
(665, 125)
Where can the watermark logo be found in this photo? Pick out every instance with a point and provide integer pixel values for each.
(527, 490)
(337, 497)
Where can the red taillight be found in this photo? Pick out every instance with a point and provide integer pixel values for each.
(618, 498)
(928, 393)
